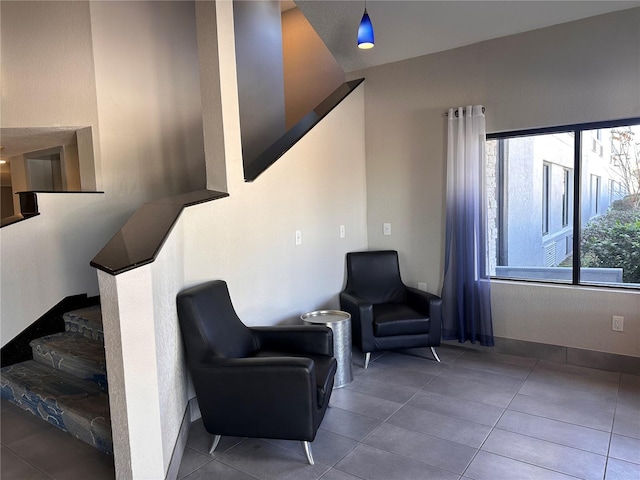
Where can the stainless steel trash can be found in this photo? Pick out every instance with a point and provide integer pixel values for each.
(340, 323)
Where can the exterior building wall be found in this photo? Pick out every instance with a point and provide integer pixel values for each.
(524, 244)
(491, 188)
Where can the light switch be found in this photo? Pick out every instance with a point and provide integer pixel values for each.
(343, 232)
(298, 237)
(386, 229)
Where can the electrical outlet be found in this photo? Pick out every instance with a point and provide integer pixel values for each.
(343, 232)
(386, 229)
(422, 286)
(617, 323)
(298, 237)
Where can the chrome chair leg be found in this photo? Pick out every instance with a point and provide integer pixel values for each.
(216, 441)
(435, 355)
(367, 357)
(307, 451)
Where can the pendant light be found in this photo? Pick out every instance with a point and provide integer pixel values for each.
(365, 31)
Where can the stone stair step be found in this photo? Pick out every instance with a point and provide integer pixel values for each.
(73, 353)
(67, 402)
(86, 321)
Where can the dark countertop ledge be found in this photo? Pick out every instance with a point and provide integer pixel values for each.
(139, 241)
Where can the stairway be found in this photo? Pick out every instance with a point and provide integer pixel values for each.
(66, 382)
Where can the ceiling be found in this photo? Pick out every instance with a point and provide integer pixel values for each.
(406, 29)
(17, 141)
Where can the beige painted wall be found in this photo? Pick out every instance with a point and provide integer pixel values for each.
(310, 71)
(71, 168)
(577, 72)
(47, 70)
(148, 95)
(316, 187)
(148, 380)
(246, 239)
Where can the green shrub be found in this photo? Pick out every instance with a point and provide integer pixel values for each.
(613, 241)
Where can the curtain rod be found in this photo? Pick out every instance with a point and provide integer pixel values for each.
(464, 110)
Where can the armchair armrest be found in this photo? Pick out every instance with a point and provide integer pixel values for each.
(250, 396)
(361, 312)
(421, 301)
(429, 304)
(355, 305)
(311, 339)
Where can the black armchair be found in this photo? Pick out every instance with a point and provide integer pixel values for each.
(264, 382)
(385, 313)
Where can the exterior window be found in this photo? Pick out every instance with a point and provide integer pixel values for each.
(597, 142)
(614, 192)
(546, 173)
(590, 208)
(566, 196)
(595, 195)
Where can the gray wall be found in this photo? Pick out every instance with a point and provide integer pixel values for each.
(258, 36)
(578, 72)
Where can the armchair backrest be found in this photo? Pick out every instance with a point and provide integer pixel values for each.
(209, 324)
(375, 276)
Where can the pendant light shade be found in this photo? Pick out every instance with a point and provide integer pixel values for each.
(365, 32)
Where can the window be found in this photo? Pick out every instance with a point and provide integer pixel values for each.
(590, 208)
(546, 173)
(595, 195)
(566, 196)
(597, 142)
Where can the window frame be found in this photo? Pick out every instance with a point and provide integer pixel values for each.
(577, 131)
(566, 203)
(546, 190)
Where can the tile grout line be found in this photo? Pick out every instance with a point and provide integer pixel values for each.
(615, 409)
(498, 421)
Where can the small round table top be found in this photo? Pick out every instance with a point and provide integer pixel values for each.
(325, 316)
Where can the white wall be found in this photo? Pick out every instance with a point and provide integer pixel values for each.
(247, 239)
(315, 187)
(148, 380)
(577, 72)
(128, 70)
(148, 96)
(37, 256)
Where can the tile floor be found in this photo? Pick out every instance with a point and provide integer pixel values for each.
(476, 415)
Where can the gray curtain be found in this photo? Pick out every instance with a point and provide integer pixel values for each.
(466, 293)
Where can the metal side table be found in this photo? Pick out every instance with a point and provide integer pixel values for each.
(340, 323)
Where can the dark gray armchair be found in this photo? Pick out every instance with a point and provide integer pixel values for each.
(385, 313)
(264, 382)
